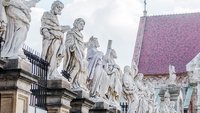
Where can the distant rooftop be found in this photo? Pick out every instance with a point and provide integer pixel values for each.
(167, 39)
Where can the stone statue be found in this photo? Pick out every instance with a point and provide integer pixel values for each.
(150, 96)
(3, 19)
(18, 22)
(114, 73)
(172, 107)
(53, 34)
(2, 11)
(134, 68)
(97, 79)
(2, 28)
(142, 94)
(194, 74)
(165, 105)
(130, 90)
(74, 58)
(172, 75)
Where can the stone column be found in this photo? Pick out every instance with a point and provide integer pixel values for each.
(100, 107)
(15, 84)
(103, 107)
(81, 104)
(2, 63)
(59, 96)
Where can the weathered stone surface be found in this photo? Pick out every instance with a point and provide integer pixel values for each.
(59, 96)
(81, 105)
(100, 107)
(17, 75)
(82, 94)
(58, 84)
(15, 85)
(2, 63)
(18, 64)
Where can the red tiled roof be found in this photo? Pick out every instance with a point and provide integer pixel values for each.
(169, 39)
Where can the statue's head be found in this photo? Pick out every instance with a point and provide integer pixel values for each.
(113, 53)
(127, 69)
(93, 42)
(140, 76)
(79, 24)
(57, 7)
(172, 69)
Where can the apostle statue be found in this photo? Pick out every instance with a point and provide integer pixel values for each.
(74, 59)
(142, 94)
(53, 34)
(130, 90)
(114, 73)
(18, 20)
(3, 20)
(97, 79)
(172, 75)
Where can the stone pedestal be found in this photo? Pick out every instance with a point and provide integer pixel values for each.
(100, 107)
(81, 104)
(15, 85)
(59, 96)
(115, 110)
(2, 63)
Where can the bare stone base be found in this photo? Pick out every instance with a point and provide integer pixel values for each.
(100, 111)
(2, 62)
(59, 96)
(100, 107)
(82, 103)
(15, 85)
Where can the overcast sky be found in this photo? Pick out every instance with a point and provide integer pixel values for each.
(115, 20)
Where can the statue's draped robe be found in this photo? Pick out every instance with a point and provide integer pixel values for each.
(142, 94)
(52, 46)
(18, 19)
(74, 57)
(114, 74)
(97, 75)
(130, 92)
(164, 107)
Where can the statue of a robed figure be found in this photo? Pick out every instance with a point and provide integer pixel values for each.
(53, 34)
(16, 15)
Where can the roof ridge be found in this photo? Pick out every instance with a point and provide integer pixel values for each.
(173, 14)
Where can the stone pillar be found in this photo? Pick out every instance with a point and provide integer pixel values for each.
(59, 96)
(81, 104)
(15, 84)
(2, 63)
(100, 107)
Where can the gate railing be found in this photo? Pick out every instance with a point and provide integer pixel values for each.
(124, 107)
(40, 69)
